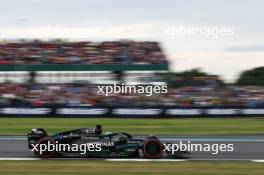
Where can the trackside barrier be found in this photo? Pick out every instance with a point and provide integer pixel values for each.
(131, 111)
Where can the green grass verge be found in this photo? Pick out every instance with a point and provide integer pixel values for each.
(75, 167)
(191, 126)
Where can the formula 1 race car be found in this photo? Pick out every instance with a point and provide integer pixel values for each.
(91, 143)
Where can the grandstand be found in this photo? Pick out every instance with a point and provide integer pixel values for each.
(78, 94)
(114, 60)
(61, 55)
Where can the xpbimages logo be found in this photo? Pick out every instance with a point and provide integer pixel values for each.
(198, 147)
(147, 90)
(59, 147)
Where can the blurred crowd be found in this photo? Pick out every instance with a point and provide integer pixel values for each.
(38, 95)
(62, 52)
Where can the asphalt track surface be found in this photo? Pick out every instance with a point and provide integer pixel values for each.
(245, 147)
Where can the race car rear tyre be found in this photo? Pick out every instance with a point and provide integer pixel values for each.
(152, 149)
(49, 144)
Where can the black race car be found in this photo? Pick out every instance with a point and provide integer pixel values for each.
(90, 142)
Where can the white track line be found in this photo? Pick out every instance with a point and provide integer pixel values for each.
(259, 161)
(146, 160)
(129, 160)
(114, 160)
(7, 158)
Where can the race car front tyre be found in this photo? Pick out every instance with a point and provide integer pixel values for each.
(46, 148)
(152, 149)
